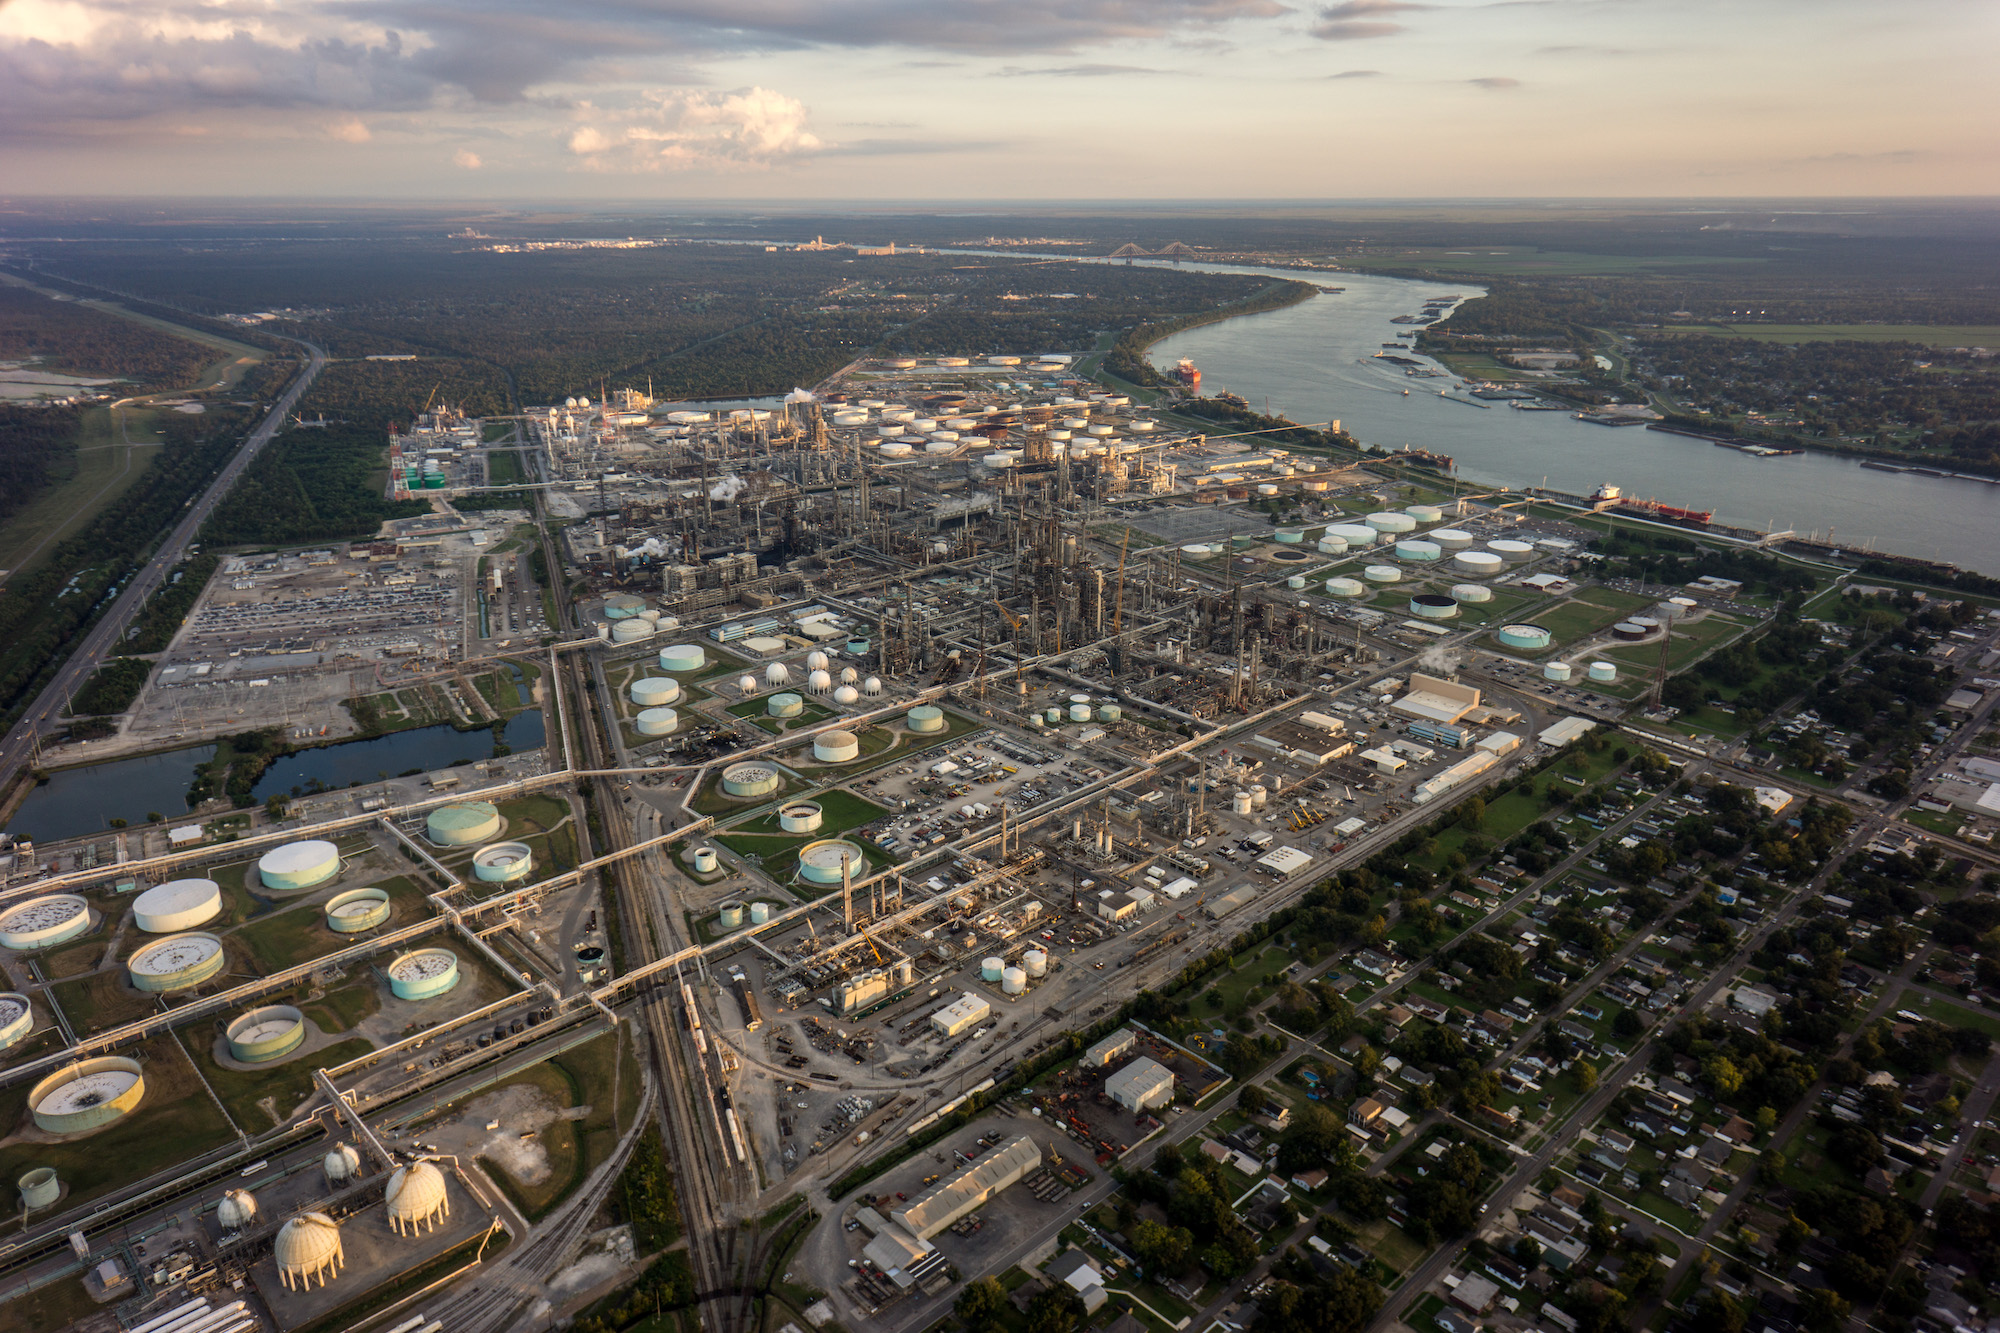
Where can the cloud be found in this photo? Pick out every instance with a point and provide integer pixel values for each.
(1585, 50)
(1075, 71)
(1357, 74)
(913, 147)
(467, 159)
(1495, 83)
(1356, 20)
(1887, 155)
(747, 129)
(350, 130)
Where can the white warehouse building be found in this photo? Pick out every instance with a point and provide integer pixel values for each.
(960, 1014)
(1142, 1085)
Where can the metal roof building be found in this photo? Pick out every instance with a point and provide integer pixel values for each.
(1141, 1085)
(949, 1200)
(1113, 1046)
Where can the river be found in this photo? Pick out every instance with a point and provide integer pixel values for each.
(1314, 362)
(79, 801)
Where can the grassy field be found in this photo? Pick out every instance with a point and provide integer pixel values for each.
(599, 1074)
(261, 1101)
(112, 453)
(842, 810)
(1934, 335)
(343, 1009)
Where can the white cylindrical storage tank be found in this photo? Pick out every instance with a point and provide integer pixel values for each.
(925, 718)
(731, 917)
(819, 682)
(463, 823)
(1109, 712)
(87, 1096)
(1603, 672)
(1345, 588)
(1296, 582)
(421, 974)
(1556, 671)
(847, 694)
(266, 1033)
(1471, 592)
(1260, 795)
(1267, 489)
(872, 686)
(1241, 803)
(1333, 546)
(991, 969)
(746, 685)
(760, 912)
(1477, 562)
(308, 1248)
(683, 657)
(631, 631)
(750, 780)
(1079, 712)
(656, 721)
(1530, 637)
(923, 425)
(654, 691)
(784, 705)
(1683, 606)
(706, 862)
(1036, 961)
(341, 1164)
(1388, 522)
(1416, 550)
(416, 1198)
(899, 414)
(357, 910)
(41, 922)
(622, 606)
(176, 962)
(1512, 552)
(39, 1186)
(1355, 534)
(17, 1018)
(651, 617)
(177, 905)
(1424, 513)
(1054, 715)
(503, 862)
(1382, 574)
(801, 817)
(1450, 539)
(836, 747)
(1013, 980)
(850, 418)
(1433, 606)
(299, 865)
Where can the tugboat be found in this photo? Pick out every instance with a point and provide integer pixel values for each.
(1188, 373)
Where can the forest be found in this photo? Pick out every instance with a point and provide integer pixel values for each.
(377, 394)
(37, 447)
(73, 339)
(310, 485)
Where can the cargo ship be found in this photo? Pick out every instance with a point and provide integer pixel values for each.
(1188, 373)
(1610, 497)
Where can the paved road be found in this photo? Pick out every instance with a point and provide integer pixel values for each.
(46, 712)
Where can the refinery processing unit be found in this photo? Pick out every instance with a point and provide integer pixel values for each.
(892, 736)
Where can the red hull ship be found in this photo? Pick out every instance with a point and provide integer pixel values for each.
(1652, 508)
(1188, 373)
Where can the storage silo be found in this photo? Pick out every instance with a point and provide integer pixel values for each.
(39, 1187)
(1556, 671)
(87, 1096)
(656, 721)
(760, 912)
(1450, 539)
(177, 905)
(681, 657)
(1036, 961)
(991, 968)
(423, 974)
(266, 1033)
(1478, 562)
(1603, 673)
(463, 823)
(40, 923)
(299, 865)
(357, 910)
(706, 862)
(176, 962)
(836, 747)
(503, 862)
(924, 718)
(1013, 981)
(654, 691)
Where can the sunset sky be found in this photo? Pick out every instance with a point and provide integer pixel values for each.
(985, 99)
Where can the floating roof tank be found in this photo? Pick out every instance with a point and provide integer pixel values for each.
(750, 779)
(39, 1187)
(1433, 606)
(731, 917)
(502, 862)
(801, 817)
(87, 1096)
(423, 974)
(821, 862)
(17, 1018)
(1524, 636)
(706, 862)
(176, 962)
(630, 631)
(41, 922)
(357, 910)
(266, 1034)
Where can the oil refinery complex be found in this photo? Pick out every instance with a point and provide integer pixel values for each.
(890, 735)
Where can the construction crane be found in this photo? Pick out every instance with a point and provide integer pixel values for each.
(430, 397)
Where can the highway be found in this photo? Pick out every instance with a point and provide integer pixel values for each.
(46, 712)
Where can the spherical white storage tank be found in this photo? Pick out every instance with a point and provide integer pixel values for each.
(1421, 551)
(1512, 552)
(1382, 574)
(503, 862)
(422, 974)
(463, 823)
(1388, 522)
(1471, 592)
(176, 962)
(341, 1164)
(1345, 588)
(416, 1198)
(631, 631)
(872, 686)
(991, 969)
(1477, 562)
(266, 1033)
(1355, 534)
(1603, 672)
(87, 1096)
(299, 865)
(817, 661)
(654, 691)
(17, 1018)
(1037, 962)
(819, 682)
(746, 685)
(847, 694)
(1557, 671)
(836, 747)
(801, 817)
(177, 905)
(1240, 803)
(308, 1247)
(41, 922)
(656, 721)
(1013, 980)
(777, 674)
(237, 1210)
(683, 657)
(1450, 539)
